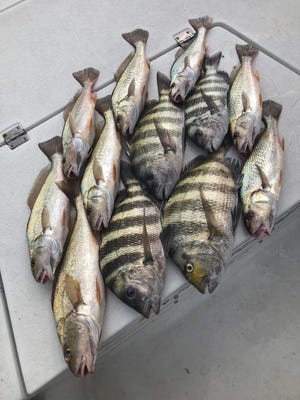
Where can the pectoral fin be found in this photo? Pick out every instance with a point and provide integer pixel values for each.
(148, 258)
(73, 127)
(73, 291)
(166, 139)
(263, 177)
(98, 172)
(131, 88)
(213, 108)
(45, 219)
(213, 226)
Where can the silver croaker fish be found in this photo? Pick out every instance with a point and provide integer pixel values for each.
(50, 219)
(101, 178)
(245, 101)
(130, 93)
(262, 175)
(78, 297)
(79, 130)
(188, 63)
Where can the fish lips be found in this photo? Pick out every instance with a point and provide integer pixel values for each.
(86, 366)
(151, 303)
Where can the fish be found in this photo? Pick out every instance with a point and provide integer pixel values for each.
(50, 220)
(245, 101)
(200, 218)
(100, 182)
(130, 93)
(187, 66)
(262, 175)
(132, 259)
(157, 144)
(79, 129)
(206, 112)
(78, 296)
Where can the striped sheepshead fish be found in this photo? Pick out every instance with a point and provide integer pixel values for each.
(262, 175)
(206, 109)
(132, 259)
(157, 144)
(100, 181)
(200, 217)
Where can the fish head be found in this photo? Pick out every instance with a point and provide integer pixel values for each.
(79, 343)
(202, 266)
(98, 208)
(260, 215)
(243, 132)
(75, 157)
(41, 267)
(181, 85)
(126, 115)
(209, 132)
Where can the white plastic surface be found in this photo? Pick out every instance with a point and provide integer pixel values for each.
(81, 35)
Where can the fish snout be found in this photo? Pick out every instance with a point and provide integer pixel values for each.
(85, 367)
(44, 276)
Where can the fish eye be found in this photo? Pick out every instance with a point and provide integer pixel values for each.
(189, 267)
(236, 135)
(119, 119)
(33, 262)
(88, 211)
(67, 352)
(130, 292)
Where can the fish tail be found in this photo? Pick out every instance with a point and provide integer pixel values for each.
(138, 35)
(103, 104)
(271, 108)
(87, 75)
(51, 146)
(213, 61)
(163, 82)
(246, 50)
(198, 23)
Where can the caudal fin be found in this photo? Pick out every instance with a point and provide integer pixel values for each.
(198, 23)
(246, 50)
(103, 104)
(138, 35)
(87, 75)
(163, 82)
(70, 188)
(271, 108)
(51, 146)
(213, 61)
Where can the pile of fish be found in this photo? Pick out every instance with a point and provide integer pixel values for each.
(85, 231)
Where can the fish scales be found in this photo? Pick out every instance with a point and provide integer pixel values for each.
(201, 204)
(132, 260)
(157, 144)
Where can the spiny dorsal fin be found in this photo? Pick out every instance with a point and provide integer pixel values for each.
(166, 139)
(37, 186)
(123, 66)
(86, 76)
(73, 291)
(138, 35)
(51, 147)
(98, 172)
(264, 179)
(212, 224)
(71, 104)
(148, 258)
(45, 219)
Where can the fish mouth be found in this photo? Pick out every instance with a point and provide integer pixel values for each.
(208, 284)
(261, 231)
(151, 303)
(177, 97)
(84, 368)
(71, 174)
(44, 276)
(99, 224)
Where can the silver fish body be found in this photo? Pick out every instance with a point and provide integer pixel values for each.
(129, 95)
(199, 220)
(262, 176)
(187, 67)
(78, 298)
(245, 101)
(206, 112)
(157, 144)
(132, 258)
(100, 181)
(79, 130)
(50, 220)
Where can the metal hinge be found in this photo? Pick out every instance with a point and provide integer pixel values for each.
(13, 136)
(184, 36)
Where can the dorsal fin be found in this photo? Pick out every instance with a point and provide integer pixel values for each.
(37, 186)
(124, 65)
(148, 258)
